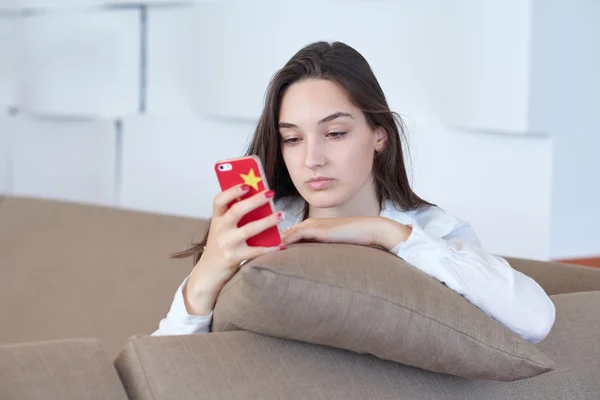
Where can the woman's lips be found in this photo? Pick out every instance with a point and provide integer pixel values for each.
(320, 184)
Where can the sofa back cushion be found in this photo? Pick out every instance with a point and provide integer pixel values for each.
(558, 278)
(53, 370)
(370, 301)
(72, 270)
(244, 365)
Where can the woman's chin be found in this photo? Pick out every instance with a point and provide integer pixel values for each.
(323, 199)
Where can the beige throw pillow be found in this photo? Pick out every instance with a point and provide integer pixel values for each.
(370, 301)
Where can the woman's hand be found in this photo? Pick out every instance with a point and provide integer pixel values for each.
(368, 231)
(226, 247)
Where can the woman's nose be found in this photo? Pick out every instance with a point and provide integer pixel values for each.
(315, 154)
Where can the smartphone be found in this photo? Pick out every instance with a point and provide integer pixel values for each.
(249, 170)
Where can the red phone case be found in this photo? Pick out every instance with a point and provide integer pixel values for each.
(249, 170)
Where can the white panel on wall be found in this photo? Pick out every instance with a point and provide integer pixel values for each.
(483, 62)
(62, 159)
(572, 112)
(78, 63)
(500, 184)
(56, 4)
(6, 134)
(233, 48)
(45, 4)
(167, 54)
(168, 164)
(9, 5)
(159, 3)
(9, 43)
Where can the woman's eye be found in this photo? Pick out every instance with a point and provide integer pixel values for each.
(291, 140)
(336, 135)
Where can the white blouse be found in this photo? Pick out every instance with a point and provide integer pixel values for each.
(445, 248)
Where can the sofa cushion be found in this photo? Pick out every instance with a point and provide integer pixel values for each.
(370, 301)
(558, 278)
(74, 270)
(244, 365)
(65, 369)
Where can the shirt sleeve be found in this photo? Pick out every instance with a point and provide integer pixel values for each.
(488, 281)
(179, 322)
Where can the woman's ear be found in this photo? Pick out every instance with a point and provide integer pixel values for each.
(380, 139)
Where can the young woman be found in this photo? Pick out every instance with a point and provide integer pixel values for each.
(332, 154)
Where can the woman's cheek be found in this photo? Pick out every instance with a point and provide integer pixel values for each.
(360, 162)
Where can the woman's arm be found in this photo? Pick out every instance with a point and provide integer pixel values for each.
(226, 249)
(179, 322)
(448, 250)
(457, 259)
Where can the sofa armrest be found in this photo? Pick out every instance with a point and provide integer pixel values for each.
(61, 369)
(558, 278)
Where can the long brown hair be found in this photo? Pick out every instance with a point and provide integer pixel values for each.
(345, 66)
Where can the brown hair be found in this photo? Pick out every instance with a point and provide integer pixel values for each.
(345, 66)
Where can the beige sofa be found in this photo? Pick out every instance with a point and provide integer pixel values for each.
(81, 287)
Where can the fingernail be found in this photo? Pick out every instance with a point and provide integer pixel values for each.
(282, 247)
(244, 187)
(280, 215)
(269, 194)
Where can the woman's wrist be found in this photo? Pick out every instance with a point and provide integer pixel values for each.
(198, 302)
(202, 289)
(390, 233)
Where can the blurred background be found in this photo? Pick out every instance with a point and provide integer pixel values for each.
(129, 104)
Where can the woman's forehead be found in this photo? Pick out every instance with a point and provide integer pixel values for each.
(312, 101)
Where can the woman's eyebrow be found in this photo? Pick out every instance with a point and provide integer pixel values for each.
(324, 120)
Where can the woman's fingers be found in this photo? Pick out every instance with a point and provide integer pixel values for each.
(258, 226)
(241, 208)
(222, 200)
(296, 234)
(227, 242)
(251, 252)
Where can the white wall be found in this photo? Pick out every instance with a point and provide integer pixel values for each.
(5, 154)
(567, 70)
(9, 45)
(63, 159)
(470, 76)
(481, 64)
(500, 183)
(83, 63)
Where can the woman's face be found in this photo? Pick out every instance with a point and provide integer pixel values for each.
(327, 145)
